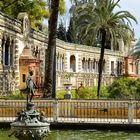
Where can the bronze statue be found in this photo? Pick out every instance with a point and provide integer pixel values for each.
(30, 86)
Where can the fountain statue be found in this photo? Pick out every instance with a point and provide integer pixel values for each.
(30, 124)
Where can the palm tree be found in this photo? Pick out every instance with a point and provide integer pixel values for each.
(136, 51)
(50, 54)
(99, 21)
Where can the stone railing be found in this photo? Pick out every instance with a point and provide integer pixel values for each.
(78, 111)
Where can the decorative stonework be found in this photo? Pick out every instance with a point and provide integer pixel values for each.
(86, 57)
(30, 124)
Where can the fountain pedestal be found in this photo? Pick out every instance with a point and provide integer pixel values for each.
(30, 124)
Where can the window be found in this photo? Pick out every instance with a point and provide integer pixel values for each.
(112, 67)
(23, 78)
(72, 63)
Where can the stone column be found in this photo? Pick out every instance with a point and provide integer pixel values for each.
(1, 53)
(67, 60)
(108, 67)
(61, 63)
(1, 68)
(85, 66)
(55, 110)
(130, 112)
(56, 62)
(9, 45)
(16, 65)
(76, 62)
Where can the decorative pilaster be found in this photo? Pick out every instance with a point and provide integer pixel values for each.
(76, 62)
(67, 62)
(108, 71)
(1, 52)
(1, 68)
(16, 65)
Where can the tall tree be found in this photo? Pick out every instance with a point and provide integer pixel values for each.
(61, 32)
(71, 36)
(99, 21)
(74, 35)
(136, 50)
(50, 73)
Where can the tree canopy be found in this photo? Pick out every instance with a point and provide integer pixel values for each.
(38, 10)
(99, 21)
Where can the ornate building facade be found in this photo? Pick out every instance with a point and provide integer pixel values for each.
(15, 36)
(23, 48)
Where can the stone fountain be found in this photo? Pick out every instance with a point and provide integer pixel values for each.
(30, 124)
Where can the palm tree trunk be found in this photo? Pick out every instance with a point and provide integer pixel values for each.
(50, 72)
(103, 33)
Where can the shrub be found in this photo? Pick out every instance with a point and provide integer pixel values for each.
(85, 93)
(17, 95)
(137, 95)
(124, 88)
(60, 94)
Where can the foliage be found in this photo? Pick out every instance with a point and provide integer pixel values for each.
(60, 94)
(62, 8)
(99, 21)
(14, 95)
(36, 10)
(71, 32)
(17, 96)
(94, 17)
(83, 93)
(136, 50)
(125, 88)
(61, 32)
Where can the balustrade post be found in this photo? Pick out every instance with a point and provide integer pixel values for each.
(130, 112)
(55, 111)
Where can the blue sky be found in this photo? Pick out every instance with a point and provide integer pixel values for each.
(133, 6)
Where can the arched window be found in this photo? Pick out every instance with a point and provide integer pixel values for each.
(89, 64)
(72, 63)
(83, 64)
(6, 58)
(63, 63)
(93, 65)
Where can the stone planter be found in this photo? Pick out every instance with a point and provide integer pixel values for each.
(68, 93)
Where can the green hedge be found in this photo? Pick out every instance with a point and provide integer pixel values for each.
(125, 88)
(83, 93)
